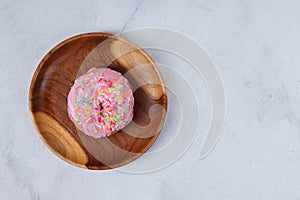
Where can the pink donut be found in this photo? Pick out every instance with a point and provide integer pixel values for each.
(100, 102)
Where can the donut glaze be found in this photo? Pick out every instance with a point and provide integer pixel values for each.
(100, 102)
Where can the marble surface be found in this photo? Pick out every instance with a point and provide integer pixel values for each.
(256, 47)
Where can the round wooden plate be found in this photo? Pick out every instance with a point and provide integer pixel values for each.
(56, 74)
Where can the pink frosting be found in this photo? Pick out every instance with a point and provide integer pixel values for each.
(101, 102)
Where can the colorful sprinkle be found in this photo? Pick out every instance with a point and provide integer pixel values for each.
(101, 102)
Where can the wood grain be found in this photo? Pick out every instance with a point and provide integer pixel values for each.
(52, 82)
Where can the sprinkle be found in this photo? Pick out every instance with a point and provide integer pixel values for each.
(94, 89)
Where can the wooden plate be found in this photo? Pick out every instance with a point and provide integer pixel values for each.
(56, 74)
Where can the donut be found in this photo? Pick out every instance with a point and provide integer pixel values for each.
(101, 102)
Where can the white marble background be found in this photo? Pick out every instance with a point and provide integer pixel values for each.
(256, 46)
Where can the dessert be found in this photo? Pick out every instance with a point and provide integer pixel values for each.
(101, 102)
